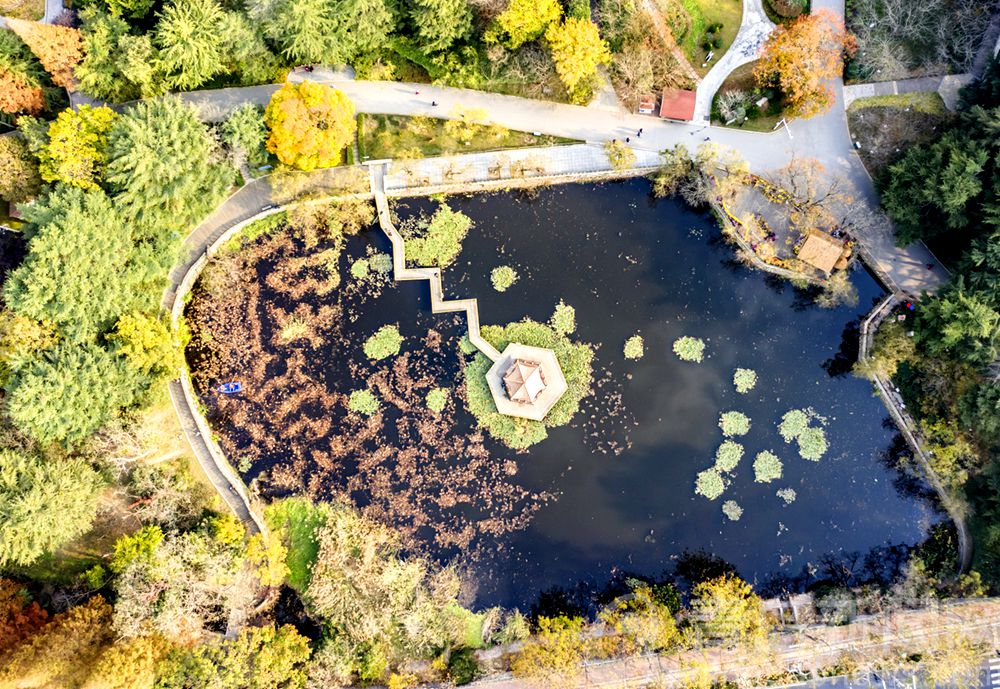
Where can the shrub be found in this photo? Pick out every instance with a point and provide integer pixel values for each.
(734, 423)
(689, 349)
(462, 666)
(437, 399)
(502, 278)
(620, 155)
(634, 347)
(728, 456)
(787, 494)
(575, 360)
(812, 444)
(710, 484)
(563, 319)
(766, 467)
(731, 509)
(744, 379)
(363, 402)
(792, 424)
(384, 343)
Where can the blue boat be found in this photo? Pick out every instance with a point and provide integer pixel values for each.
(231, 388)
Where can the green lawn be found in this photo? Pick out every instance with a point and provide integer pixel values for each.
(705, 13)
(299, 519)
(391, 136)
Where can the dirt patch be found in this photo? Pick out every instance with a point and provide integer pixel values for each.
(885, 133)
(280, 317)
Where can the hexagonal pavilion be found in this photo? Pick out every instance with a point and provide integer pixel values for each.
(526, 381)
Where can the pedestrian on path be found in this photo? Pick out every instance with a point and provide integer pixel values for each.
(434, 103)
(708, 138)
(628, 140)
(638, 134)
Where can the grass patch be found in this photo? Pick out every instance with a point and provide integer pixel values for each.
(741, 79)
(297, 520)
(392, 136)
(705, 13)
(927, 103)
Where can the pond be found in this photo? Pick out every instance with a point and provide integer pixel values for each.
(614, 491)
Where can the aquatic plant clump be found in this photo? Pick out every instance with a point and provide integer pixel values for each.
(767, 467)
(575, 360)
(732, 510)
(634, 347)
(363, 402)
(793, 423)
(563, 319)
(360, 269)
(384, 343)
(437, 399)
(812, 444)
(734, 423)
(689, 349)
(437, 241)
(787, 494)
(380, 262)
(744, 379)
(502, 278)
(728, 456)
(710, 484)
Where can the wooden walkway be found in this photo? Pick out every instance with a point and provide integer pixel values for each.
(439, 304)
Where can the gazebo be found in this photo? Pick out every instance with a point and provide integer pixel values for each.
(822, 251)
(526, 381)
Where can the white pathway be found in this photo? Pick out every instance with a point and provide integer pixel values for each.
(754, 30)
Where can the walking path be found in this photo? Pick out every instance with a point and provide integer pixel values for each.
(433, 275)
(755, 27)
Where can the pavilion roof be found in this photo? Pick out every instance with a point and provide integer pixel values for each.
(524, 381)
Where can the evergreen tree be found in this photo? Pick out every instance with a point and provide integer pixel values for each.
(20, 77)
(76, 152)
(304, 30)
(44, 503)
(58, 48)
(117, 66)
(440, 23)
(245, 52)
(190, 42)
(19, 178)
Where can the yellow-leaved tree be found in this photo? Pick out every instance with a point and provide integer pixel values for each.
(58, 48)
(578, 50)
(800, 57)
(310, 124)
(524, 21)
(77, 149)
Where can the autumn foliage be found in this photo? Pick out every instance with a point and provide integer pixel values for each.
(800, 57)
(18, 96)
(310, 125)
(58, 48)
(18, 618)
(577, 50)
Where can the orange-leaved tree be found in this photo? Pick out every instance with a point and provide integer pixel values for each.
(310, 125)
(800, 57)
(58, 48)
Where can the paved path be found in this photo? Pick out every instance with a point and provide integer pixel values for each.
(755, 27)
(433, 275)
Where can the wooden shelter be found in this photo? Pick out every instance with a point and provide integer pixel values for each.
(822, 251)
(524, 381)
(678, 104)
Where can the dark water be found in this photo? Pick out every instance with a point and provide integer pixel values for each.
(630, 265)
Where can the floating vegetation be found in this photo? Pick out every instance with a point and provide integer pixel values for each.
(728, 456)
(734, 423)
(812, 444)
(563, 319)
(710, 484)
(363, 402)
(437, 399)
(767, 467)
(435, 241)
(384, 343)
(502, 278)
(787, 494)
(732, 509)
(294, 329)
(689, 349)
(795, 425)
(634, 348)
(380, 262)
(744, 379)
(360, 269)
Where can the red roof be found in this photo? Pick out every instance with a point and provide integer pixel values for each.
(677, 104)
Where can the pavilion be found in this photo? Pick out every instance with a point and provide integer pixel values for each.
(526, 381)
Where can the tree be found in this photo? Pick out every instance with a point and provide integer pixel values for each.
(961, 324)
(162, 165)
(245, 52)
(20, 617)
(117, 65)
(58, 48)
(728, 609)
(129, 664)
(43, 503)
(577, 49)
(620, 155)
(76, 152)
(68, 392)
(953, 660)
(259, 658)
(800, 56)
(20, 77)
(149, 347)
(132, 9)
(244, 132)
(524, 21)
(552, 657)
(77, 271)
(304, 30)
(440, 23)
(19, 178)
(187, 36)
(310, 125)
(63, 652)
